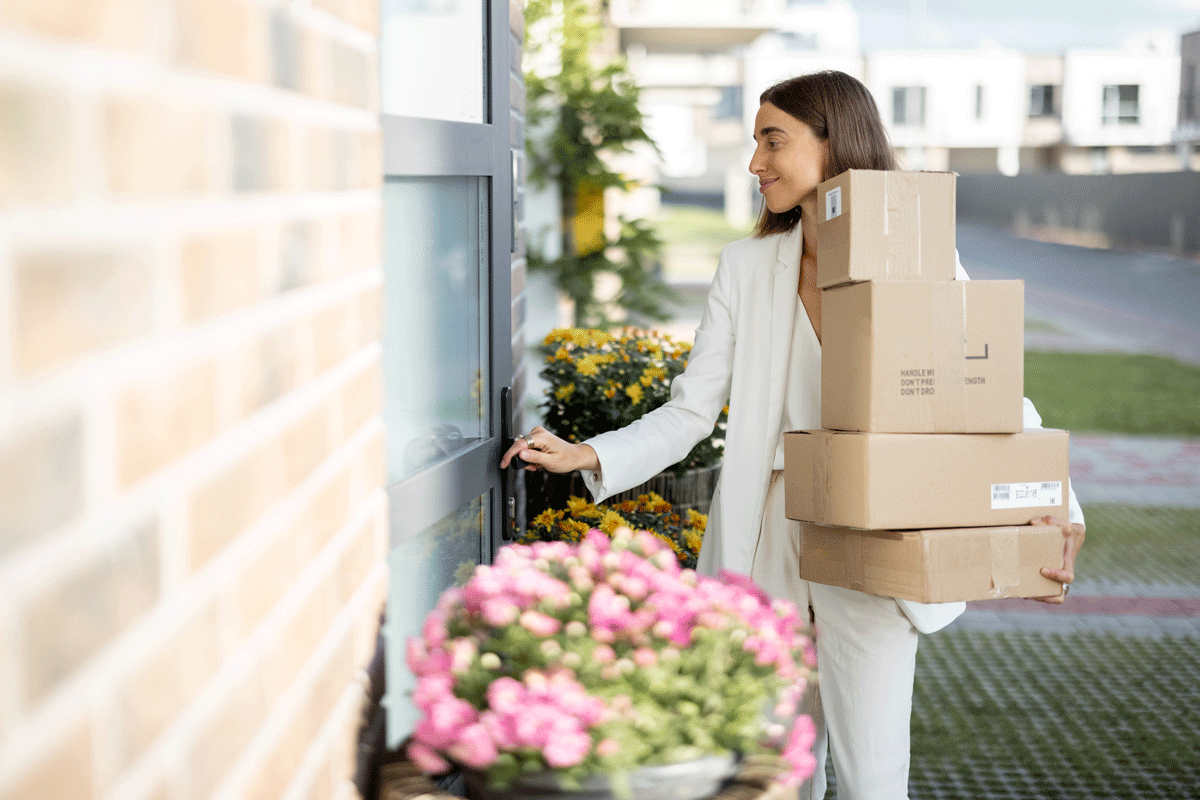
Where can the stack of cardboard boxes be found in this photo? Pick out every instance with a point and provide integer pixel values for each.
(921, 482)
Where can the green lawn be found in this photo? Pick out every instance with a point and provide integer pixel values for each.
(1113, 393)
(698, 227)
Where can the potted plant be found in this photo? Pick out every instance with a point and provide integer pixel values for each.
(599, 382)
(593, 665)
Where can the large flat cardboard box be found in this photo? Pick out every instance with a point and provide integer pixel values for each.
(923, 357)
(885, 225)
(935, 566)
(890, 481)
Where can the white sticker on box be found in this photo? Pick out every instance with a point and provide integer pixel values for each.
(833, 203)
(1027, 495)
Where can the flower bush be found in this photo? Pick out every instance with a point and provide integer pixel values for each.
(600, 382)
(602, 656)
(683, 533)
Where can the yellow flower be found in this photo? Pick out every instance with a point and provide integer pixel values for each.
(564, 392)
(610, 392)
(697, 520)
(573, 530)
(694, 539)
(588, 365)
(547, 518)
(561, 354)
(577, 505)
(635, 393)
(611, 521)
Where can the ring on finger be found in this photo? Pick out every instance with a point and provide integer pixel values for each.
(1066, 589)
(529, 440)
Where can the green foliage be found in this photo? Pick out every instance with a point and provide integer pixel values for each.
(592, 112)
(1108, 392)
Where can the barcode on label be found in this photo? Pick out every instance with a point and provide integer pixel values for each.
(833, 203)
(1027, 495)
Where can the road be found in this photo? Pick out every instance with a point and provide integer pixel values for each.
(1095, 299)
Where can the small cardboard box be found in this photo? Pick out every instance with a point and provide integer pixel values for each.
(888, 481)
(935, 566)
(876, 224)
(923, 357)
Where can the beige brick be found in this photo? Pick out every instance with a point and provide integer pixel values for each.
(229, 503)
(356, 562)
(360, 238)
(261, 154)
(370, 327)
(372, 465)
(219, 743)
(163, 686)
(295, 645)
(351, 73)
(72, 622)
(327, 512)
(365, 635)
(299, 252)
(227, 36)
(362, 398)
(163, 419)
(219, 273)
(37, 162)
(370, 155)
(232, 501)
(156, 147)
(264, 581)
(268, 369)
(73, 301)
(66, 772)
(335, 335)
(304, 446)
(41, 470)
(113, 22)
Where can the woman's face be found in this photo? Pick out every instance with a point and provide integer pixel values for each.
(789, 159)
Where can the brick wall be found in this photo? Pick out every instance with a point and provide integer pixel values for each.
(192, 524)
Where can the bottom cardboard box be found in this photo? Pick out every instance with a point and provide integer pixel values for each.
(934, 566)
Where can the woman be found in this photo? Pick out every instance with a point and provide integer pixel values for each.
(758, 348)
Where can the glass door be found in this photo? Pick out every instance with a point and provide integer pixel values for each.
(447, 193)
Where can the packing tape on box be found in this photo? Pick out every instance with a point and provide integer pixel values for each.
(855, 568)
(902, 225)
(1005, 561)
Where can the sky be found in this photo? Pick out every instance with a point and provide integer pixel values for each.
(1027, 25)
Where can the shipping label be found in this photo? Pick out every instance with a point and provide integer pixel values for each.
(1027, 495)
(833, 203)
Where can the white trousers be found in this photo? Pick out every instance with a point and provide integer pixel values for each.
(866, 657)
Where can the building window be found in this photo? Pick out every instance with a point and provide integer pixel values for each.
(1120, 104)
(729, 105)
(1042, 100)
(978, 101)
(908, 106)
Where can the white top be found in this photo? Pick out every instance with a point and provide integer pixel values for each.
(802, 398)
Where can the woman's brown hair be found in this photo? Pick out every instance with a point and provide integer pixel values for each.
(840, 111)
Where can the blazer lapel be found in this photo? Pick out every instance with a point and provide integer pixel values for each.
(784, 297)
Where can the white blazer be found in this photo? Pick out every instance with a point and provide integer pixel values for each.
(740, 358)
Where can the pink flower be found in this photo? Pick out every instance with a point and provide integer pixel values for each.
(798, 750)
(604, 654)
(607, 747)
(501, 728)
(433, 689)
(426, 759)
(506, 695)
(435, 630)
(499, 611)
(645, 657)
(540, 624)
(567, 749)
(474, 747)
(607, 609)
(443, 722)
(462, 653)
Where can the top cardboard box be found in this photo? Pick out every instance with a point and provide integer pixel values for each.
(885, 225)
